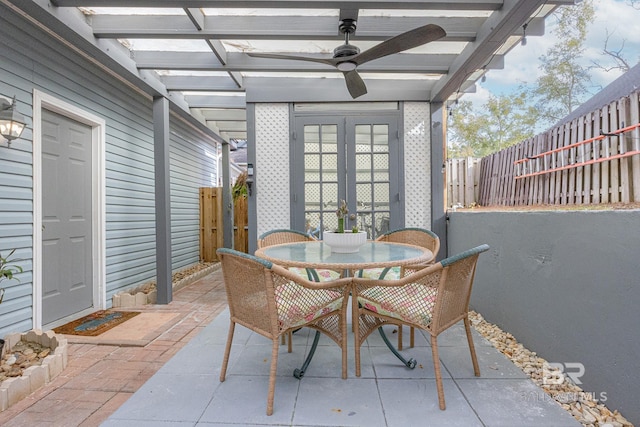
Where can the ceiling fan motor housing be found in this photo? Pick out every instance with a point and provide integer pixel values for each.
(347, 26)
(345, 50)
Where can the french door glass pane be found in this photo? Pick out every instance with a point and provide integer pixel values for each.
(329, 138)
(351, 163)
(311, 168)
(372, 177)
(321, 176)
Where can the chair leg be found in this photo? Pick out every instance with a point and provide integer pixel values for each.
(227, 351)
(356, 339)
(436, 367)
(272, 376)
(343, 329)
(472, 349)
(412, 337)
(284, 340)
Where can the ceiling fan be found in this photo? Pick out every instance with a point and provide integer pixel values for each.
(348, 57)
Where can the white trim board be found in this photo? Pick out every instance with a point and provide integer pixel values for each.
(42, 100)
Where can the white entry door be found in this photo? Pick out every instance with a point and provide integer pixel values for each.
(67, 247)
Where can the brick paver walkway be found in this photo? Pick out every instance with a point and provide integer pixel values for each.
(100, 378)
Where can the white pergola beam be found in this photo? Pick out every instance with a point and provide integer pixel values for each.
(399, 63)
(200, 83)
(294, 4)
(374, 28)
(493, 34)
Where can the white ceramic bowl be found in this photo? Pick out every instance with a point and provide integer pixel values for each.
(344, 243)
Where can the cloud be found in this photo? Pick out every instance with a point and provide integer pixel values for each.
(621, 24)
(522, 62)
(479, 97)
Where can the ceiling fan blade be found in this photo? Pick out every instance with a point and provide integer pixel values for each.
(401, 42)
(355, 84)
(328, 61)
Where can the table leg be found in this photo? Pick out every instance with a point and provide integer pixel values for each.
(411, 363)
(299, 372)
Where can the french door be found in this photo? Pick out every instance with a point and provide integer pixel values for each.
(352, 158)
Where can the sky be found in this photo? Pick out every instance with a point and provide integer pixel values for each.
(522, 64)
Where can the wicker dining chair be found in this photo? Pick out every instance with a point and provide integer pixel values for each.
(271, 301)
(432, 299)
(282, 235)
(418, 237)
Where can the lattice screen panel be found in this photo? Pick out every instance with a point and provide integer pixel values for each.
(417, 160)
(272, 166)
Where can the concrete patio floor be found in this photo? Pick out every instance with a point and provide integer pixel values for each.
(174, 381)
(186, 391)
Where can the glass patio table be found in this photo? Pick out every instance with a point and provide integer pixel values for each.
(317, 255)
(372, 254)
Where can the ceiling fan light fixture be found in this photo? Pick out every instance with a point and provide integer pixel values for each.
(347, 57)
(346, 66)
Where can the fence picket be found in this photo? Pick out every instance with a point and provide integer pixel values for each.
(587, 152)
(623, 108)
(614, 143)
(594, 159)
(579, 199)
(634, 112)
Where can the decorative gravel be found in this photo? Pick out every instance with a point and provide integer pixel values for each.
(582, 405)
(23, 355)
(175, 277)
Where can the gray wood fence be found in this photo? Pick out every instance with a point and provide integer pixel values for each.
(462, 177)
(594, 159)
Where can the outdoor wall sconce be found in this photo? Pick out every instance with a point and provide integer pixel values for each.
(249, 177)
(12, 123)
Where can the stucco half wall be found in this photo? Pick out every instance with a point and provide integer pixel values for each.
(566, 284)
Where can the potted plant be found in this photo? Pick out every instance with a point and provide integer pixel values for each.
(341, 241)
(7, 270)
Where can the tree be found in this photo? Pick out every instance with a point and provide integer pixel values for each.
(616, 59)
(620, 62)
(502, 122)
(564, 83)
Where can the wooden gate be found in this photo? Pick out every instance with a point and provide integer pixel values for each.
(212, 226)
(240, 228)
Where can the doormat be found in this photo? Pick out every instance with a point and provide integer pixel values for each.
(95, 323)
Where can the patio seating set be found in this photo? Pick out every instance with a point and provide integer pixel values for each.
(294, 281)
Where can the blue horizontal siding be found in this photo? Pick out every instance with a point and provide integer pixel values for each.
(16, 217)
(33, 60)
(15, 162)
(139, 249)
(191, 168)
(124, 238)
(11, 230)
(8, 179)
